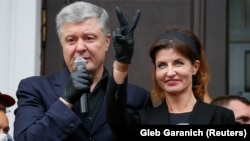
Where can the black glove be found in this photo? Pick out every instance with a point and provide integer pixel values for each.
(123, 37)
(79, 83)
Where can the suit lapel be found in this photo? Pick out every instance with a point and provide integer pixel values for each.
(163, 115)
(61, 80)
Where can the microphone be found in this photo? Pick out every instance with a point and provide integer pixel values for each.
(80, 63)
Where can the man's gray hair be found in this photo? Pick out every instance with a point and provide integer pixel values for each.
(80, 11)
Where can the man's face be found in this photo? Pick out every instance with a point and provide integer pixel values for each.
(87, 40)
(4, 123)
(241, 111)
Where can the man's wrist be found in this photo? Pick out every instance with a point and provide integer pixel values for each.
(69, 105)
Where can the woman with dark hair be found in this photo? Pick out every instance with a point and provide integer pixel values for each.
(180, 79)
(187, 45)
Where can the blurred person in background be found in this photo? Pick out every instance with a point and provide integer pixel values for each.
(238, 104)
(5, 102)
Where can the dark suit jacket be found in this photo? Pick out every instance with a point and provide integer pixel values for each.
(41, 116)
(202, 114)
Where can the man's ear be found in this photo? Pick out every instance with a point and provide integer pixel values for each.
(107, 41)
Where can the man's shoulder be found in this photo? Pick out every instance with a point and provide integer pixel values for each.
(137, 97)
(136, 93)
(63, 72)
(46, 79)
(137, 88)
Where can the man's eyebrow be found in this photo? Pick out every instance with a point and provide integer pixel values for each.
(243, 117)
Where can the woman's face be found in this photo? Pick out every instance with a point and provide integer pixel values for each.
(174, 72)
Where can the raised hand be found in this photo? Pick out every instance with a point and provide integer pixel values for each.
(123, 37)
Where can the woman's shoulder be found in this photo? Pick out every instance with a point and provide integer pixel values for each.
(215, 107)
(215, 114)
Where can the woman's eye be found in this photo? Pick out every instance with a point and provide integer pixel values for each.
(162, 65)
(179, 63)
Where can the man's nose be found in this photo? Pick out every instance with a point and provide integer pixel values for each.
(81, 45)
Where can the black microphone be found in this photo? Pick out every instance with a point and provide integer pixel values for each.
(80, 63)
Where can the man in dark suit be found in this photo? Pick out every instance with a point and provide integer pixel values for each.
(49, 107)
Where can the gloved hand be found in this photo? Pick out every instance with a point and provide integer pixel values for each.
(79, 83)
(123, 37)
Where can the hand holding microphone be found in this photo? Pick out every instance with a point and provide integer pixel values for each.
(79, 82)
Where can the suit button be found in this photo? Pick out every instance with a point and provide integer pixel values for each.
(90, 118)
(66, 130)
(91, 139)
(72, 124)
